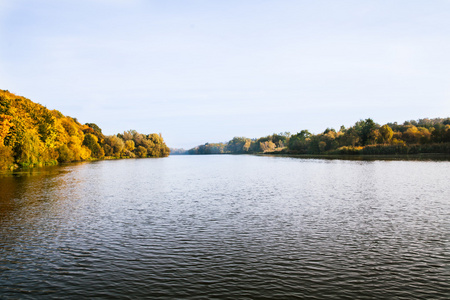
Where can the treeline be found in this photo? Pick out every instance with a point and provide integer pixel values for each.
(365, 137)
(32, 135)
(177, 151)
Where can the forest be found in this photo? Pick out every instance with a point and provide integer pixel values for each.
(32, 135)
(364, 138)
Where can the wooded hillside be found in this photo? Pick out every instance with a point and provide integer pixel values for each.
(32, 135)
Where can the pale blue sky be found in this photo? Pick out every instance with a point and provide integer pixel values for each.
(206, 71)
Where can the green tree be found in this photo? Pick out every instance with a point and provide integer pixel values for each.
(365, 130)
(91, 142)
(300, 141)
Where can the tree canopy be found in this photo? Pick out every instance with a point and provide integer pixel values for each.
(32, 135)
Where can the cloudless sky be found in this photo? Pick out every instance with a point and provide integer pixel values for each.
(202, 71)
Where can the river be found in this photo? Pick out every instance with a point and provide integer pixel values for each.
(227, 227)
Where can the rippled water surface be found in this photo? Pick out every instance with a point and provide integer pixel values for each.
(227, 227)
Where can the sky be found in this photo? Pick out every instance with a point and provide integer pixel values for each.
(201, 71)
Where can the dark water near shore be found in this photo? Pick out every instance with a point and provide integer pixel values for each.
(227, 227)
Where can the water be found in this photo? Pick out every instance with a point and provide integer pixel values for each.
(227, 227)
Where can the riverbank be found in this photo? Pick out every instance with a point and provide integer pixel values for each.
(418, 156)
(34, 169)
(388, 157)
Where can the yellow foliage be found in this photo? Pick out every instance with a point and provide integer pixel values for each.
(31, 134)
(129, 145)
(5, 125)
(397, 142)
(267, 146)
(36, 133)
(386, 133)
(6, 157)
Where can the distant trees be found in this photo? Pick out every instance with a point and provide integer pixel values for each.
(32, 135)
(238, 145)
(300, 141)
(367, 131)
(178, 151)
(242, 145)
(134, 144)
(365, 137)
(216, 148)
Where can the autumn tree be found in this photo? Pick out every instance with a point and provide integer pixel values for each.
(5, 125)
(91, 142)
(117, 145)
(386, 133)
(141, 152)
(238, 145)
(31, 134)
(129, 145)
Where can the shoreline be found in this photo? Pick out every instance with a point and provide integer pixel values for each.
(407, 157)
(358, 157)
